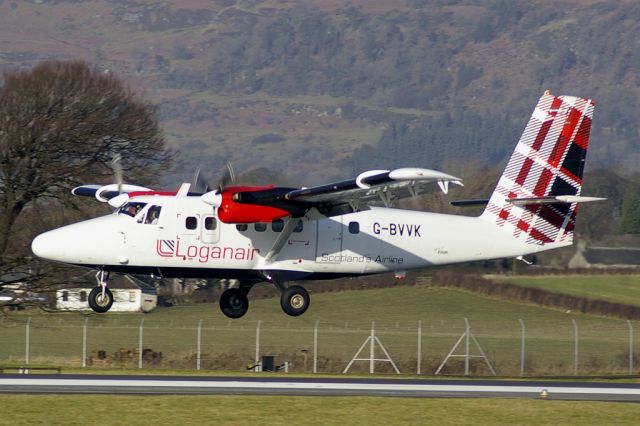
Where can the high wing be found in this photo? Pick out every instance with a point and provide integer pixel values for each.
(377, 185)
(246, 204)
(238, 204)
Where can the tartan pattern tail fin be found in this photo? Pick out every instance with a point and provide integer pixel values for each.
(548, 161)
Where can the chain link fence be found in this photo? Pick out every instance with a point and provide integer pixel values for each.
(448, 347)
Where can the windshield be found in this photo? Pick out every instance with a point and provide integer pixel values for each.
(131, 209)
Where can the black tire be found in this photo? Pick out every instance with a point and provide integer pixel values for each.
(295, 300)
(97, 302)
(234, 303)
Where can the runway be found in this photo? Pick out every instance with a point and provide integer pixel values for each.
(260, 385)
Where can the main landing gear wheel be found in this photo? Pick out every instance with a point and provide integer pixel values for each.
(100, 302)
(295, 300)
(234, 303)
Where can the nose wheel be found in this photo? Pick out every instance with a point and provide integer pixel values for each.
(100, 297)
(100, 301)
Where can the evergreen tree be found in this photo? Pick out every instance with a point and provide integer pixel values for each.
(629, 222)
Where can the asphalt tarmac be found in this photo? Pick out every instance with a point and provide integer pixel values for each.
(297, 386)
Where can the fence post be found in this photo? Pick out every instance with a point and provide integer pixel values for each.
(522, 336)
(419, 347)
(140, 343)
(27, 343)
(258, 346)
(84, 343)
(576, 350)
(466, 347)
(630, 347)
(315, 347)
(372, 348)
(199, 345)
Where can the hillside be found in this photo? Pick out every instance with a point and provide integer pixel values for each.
(327, 77)
(302, 92)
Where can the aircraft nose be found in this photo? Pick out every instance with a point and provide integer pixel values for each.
(47, 246)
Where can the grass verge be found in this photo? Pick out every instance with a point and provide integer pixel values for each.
(73, 410)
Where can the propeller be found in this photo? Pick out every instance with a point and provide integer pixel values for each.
(214, 198)
(104, 193)
(116, 194)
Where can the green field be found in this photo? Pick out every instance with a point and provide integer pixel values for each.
(344, 320)
(613, 288)
(279, 410)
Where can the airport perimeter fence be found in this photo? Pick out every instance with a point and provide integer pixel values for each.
(447, 347)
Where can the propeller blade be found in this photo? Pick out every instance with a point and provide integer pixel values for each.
(117, 171)
(198, 184)
(227, 177)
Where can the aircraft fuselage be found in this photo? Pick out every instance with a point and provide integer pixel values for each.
(188, 240)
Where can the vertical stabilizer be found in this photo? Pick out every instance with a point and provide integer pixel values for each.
(547, 162)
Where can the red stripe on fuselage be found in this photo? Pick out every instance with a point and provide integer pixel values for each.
(145, 193)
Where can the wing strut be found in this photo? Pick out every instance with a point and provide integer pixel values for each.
(274, 251)
(385, 197)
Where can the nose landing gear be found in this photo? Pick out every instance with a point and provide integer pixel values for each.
(100, 297)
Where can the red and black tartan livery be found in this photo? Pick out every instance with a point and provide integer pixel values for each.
(548, 162)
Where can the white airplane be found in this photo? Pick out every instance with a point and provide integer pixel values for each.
(277, 235)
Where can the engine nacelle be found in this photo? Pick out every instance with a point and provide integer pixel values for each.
(232, 210)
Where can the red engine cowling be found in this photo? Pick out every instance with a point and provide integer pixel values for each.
(233, 212)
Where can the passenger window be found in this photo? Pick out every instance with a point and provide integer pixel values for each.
(191, 222)
(277, 225)
(298, 227)
(354, 227)
(242, 227)
(153, 214)
(260, 227)
(210, 223)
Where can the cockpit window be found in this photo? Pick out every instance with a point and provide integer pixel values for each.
(131, 209)
(153, 214)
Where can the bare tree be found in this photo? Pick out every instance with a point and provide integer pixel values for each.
(61, 123)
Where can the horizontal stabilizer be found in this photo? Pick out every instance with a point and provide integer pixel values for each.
(558, 199)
